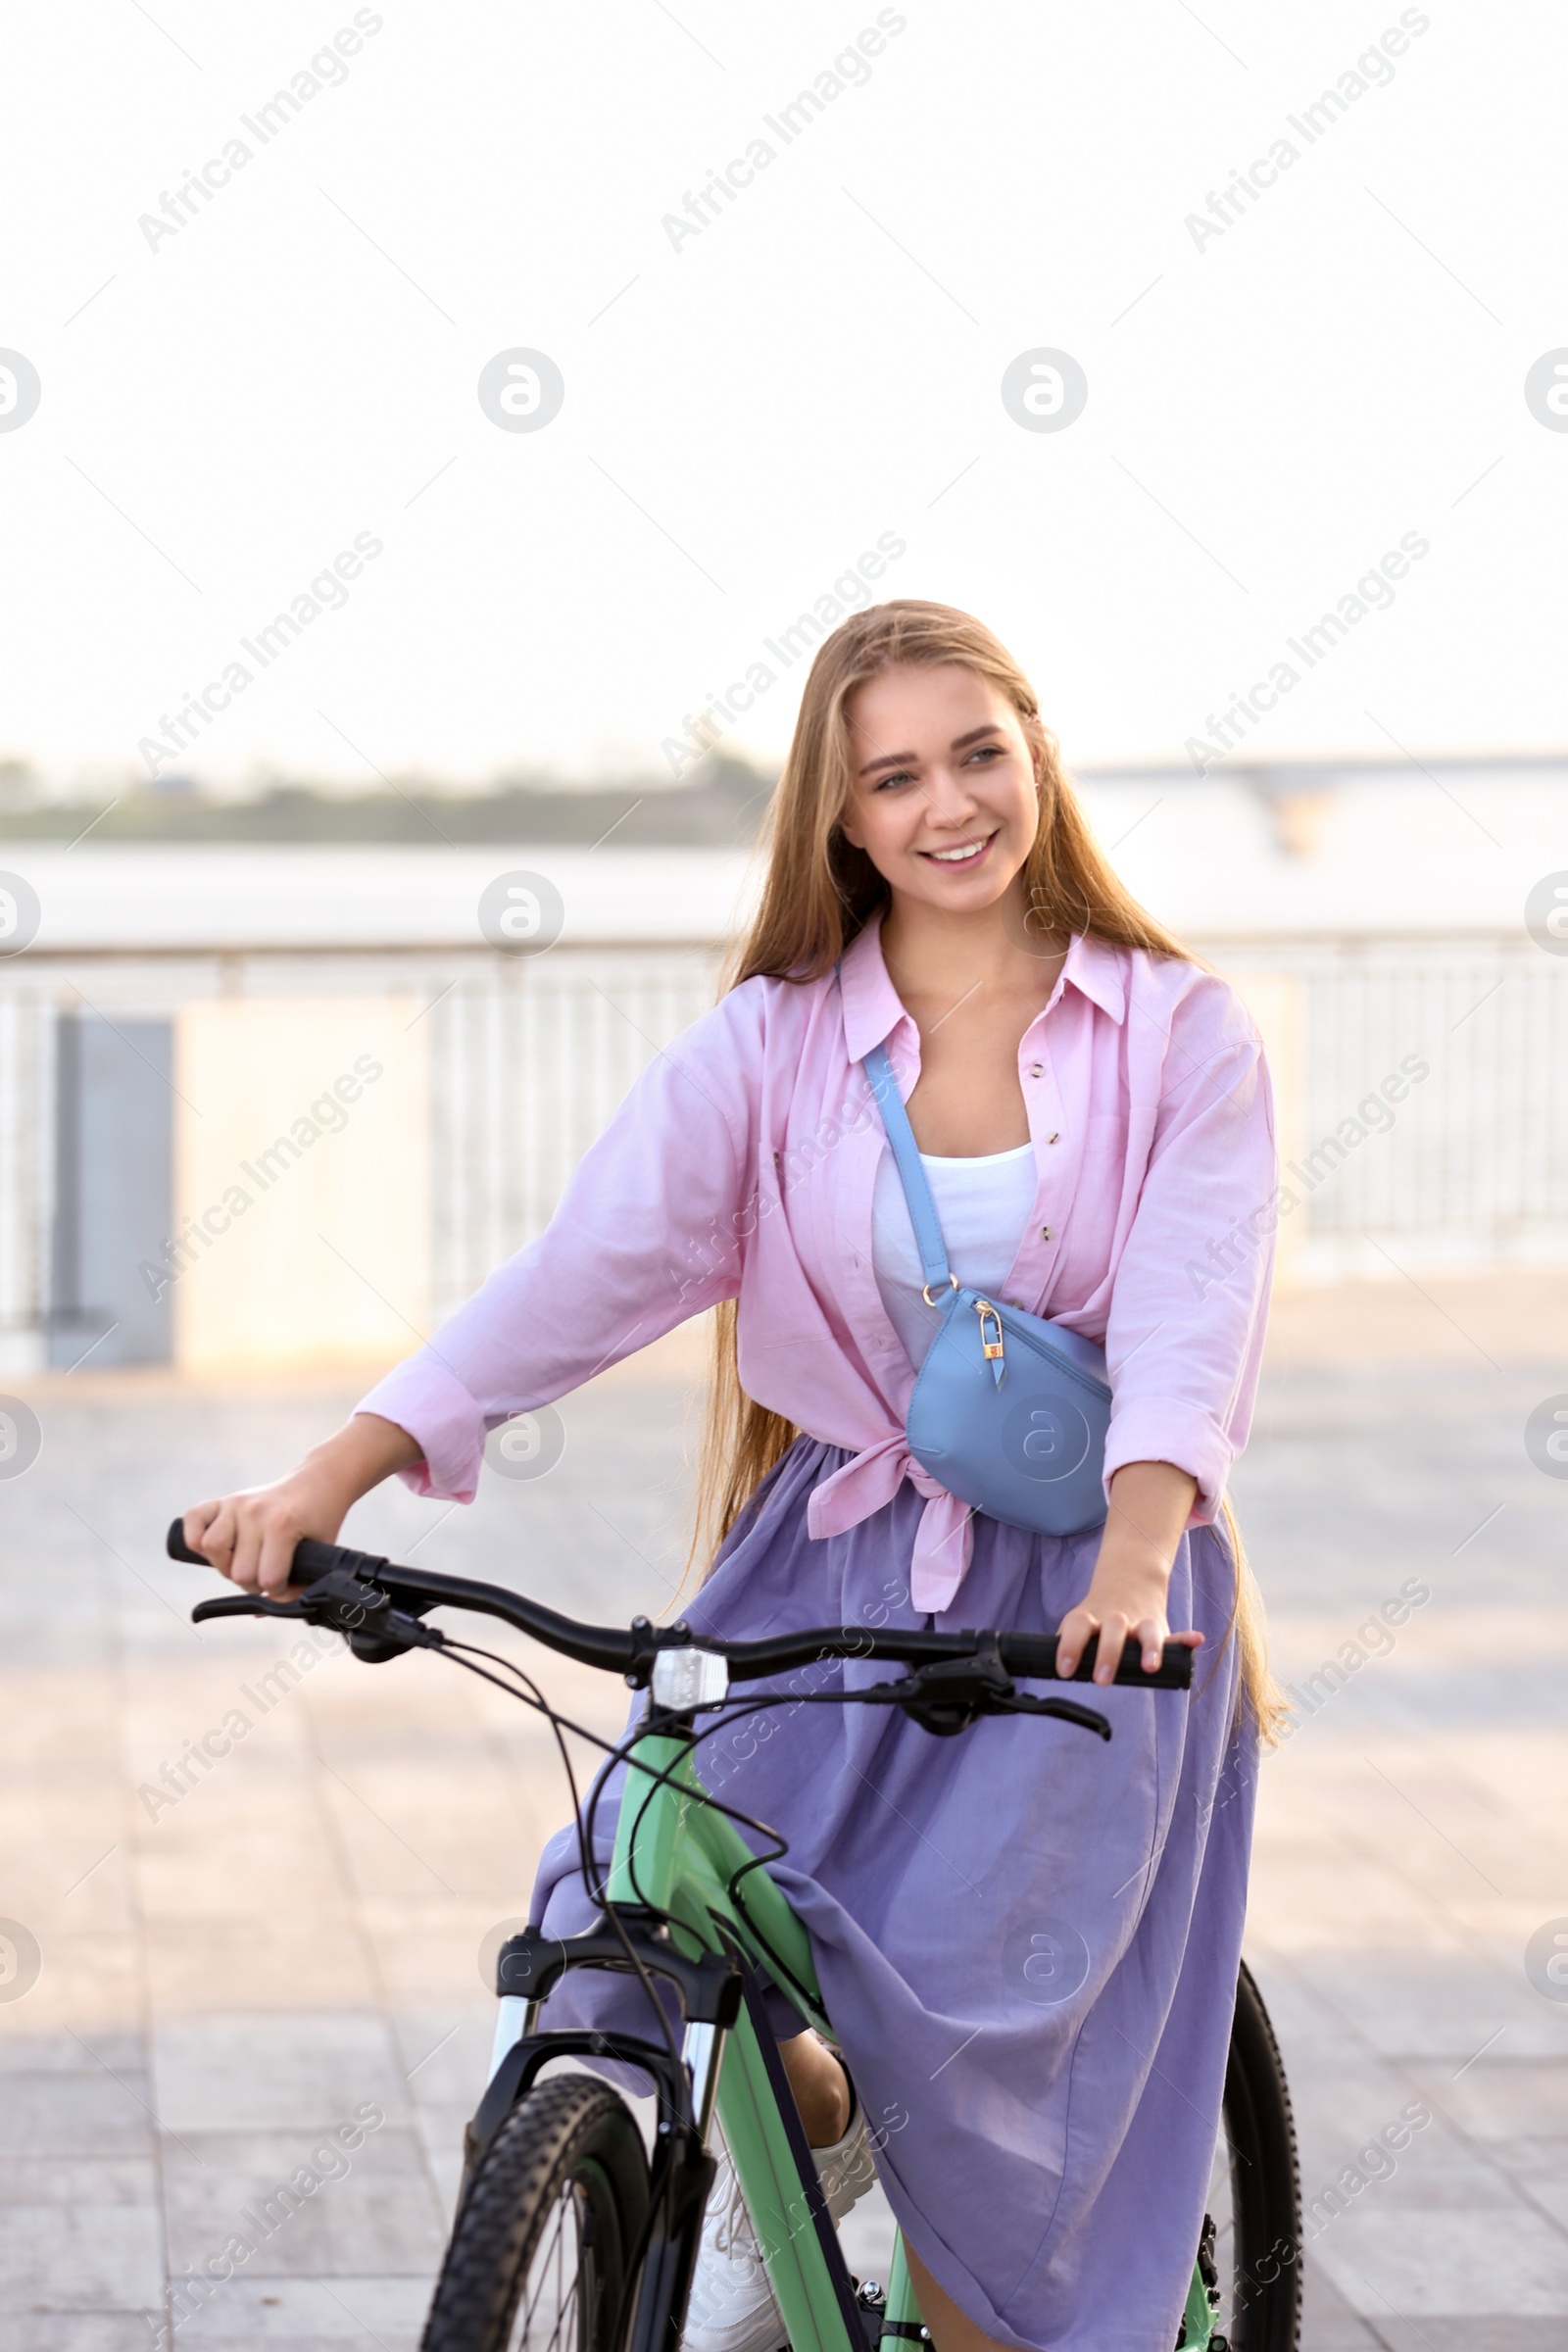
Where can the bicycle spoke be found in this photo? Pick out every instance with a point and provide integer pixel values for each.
(552, 2289)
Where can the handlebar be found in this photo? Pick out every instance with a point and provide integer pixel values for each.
(358, 1578)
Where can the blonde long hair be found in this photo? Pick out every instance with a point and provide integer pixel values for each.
(818, 892)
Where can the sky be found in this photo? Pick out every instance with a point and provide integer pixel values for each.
(1287, 388)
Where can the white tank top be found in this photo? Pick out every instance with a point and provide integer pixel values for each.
(982, 1206)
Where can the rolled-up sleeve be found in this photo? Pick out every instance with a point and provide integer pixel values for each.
(1190, 1300)
(648, 1231)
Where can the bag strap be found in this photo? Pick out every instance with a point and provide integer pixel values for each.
(907, 1158)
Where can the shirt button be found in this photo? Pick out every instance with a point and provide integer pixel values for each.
(1055, 1136)
(1037, 1070)
(1044, 1233)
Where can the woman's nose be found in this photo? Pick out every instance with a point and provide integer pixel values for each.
(948, 799)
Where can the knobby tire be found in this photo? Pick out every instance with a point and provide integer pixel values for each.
(555, 2206)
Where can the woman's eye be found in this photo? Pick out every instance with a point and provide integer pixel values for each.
(987, 752)
(903, 778)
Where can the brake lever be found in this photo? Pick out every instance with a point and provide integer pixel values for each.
(947, 1698)
(338, 1601)
(240, 1607)
(344, 1604)
(1065, 1709)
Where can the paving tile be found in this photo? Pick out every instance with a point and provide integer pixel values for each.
(250, 1874)
(56, 2051)
(53, 1810)
(1433, 2005)
(1542, 2175)
(1329, 1902)
(1438, 2171)
(310, 2314)
(1430, 2171)
(1445, 2263)
(174, 1801)
(448, 2053)
(81, 2331)
(398, 1847)
(71, 1884)
(77, 2181)
(89, 1976)
(373, 2210)
(1486, 2332)
(77, 2115)
(259, 2070)
(1501, 2102)
(234, 1961)
(443, 2157)
(288, 1987)
(60, 1720)
(1329, 2324)
(428, 1953)
(96, 1889)
(441, 2128)
(80, 2257)
(1341, 2131)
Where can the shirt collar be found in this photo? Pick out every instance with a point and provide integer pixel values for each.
(874, 1008)
(1098, 970)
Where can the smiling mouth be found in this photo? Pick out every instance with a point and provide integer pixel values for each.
(967, 853)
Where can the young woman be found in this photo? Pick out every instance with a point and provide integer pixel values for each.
(1027, 1940)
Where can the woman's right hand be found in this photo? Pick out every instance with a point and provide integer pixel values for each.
(250, 1537)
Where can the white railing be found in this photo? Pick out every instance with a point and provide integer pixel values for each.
(1470, 1166)
(528, 1060)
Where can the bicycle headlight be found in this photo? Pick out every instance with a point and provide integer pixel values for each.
(690, 1678)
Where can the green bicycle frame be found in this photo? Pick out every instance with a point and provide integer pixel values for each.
(679, 1854)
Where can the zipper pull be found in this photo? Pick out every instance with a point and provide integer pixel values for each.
(991, 1348)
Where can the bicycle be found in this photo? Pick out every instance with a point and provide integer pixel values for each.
(565, 2232)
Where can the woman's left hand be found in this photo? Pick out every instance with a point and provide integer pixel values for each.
(1150, 1503)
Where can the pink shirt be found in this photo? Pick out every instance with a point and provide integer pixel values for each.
(742, 1165)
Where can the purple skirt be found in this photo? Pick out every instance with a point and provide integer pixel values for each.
(1027, 1938)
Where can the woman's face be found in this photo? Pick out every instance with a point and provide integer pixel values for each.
(942, 798)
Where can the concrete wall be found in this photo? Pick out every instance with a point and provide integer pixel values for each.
(302, 1182)
(114, 1136)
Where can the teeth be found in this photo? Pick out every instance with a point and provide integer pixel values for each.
(958, 857)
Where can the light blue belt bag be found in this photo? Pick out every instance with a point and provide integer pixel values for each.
(1010, 1412)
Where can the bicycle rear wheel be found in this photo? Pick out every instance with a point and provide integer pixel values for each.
(549, 2228)
(1254, 2193)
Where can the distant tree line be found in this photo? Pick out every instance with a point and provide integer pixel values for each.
(719, 805)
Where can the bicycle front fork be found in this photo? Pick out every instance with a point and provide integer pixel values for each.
(703, 2050)
(898, 2321)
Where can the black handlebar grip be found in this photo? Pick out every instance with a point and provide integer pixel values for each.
(1036, 1655)
(311, 1558)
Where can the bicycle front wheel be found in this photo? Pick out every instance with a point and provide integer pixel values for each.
(550, 2225)
(1252, 2254)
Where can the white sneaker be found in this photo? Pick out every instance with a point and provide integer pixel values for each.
(732, 2307)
